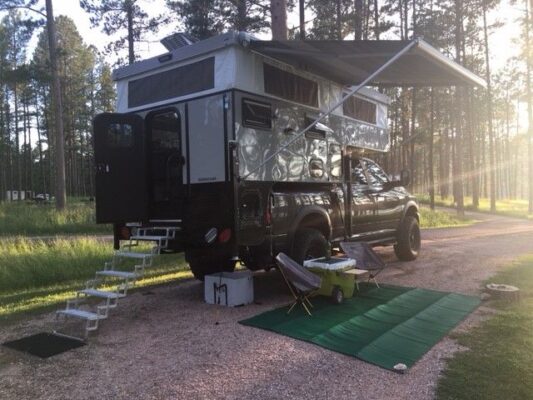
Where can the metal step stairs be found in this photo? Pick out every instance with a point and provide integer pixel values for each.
(92, 304)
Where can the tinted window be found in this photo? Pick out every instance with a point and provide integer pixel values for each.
(358, 174)
(165, 131)
(176, 82)
(119, 135)
(360, 109)
(256, 115)
(376, 175)
(289, 86)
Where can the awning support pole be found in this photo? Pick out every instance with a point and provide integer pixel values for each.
(391, 61)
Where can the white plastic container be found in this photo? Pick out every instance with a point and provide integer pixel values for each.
(229, 288)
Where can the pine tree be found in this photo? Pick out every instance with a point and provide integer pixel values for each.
(123, 18)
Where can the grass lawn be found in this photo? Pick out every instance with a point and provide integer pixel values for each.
(441, 219)
(512, 208)
(499, 364)
(35, 274)
(25, 218)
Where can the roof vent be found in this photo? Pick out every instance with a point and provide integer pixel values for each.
(177, 40)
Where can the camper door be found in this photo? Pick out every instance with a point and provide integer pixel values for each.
(119, 152)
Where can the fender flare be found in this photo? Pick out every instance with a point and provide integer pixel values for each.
(408, 205)
(305, 212)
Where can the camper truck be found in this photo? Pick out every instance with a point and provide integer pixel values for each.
(209, 138)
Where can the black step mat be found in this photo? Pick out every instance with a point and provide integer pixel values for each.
(44, 344)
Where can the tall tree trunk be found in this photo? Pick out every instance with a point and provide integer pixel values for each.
(412, 139)
(278, 12)
(241, 16)
(430, 155)
(458, 159)
(61, 197)
(40, 147)
(338, 19)
(302, 19)
(376, 20)
(492, 167)
(474, 177)
(17, 166)
(131, 43)
(529, 109)
(358, 19)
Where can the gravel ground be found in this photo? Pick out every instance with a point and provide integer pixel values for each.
(168, 344)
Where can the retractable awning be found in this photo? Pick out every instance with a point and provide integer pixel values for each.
(350, 62)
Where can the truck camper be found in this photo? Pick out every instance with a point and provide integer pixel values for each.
(250, 147)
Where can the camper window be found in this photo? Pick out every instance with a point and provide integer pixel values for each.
(289, 86)
(173, 83)
(360, 109)
(256, 115)
(120, 135)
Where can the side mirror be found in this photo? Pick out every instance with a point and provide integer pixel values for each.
(405, 177)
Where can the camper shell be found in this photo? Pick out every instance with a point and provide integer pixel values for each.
(242, 150)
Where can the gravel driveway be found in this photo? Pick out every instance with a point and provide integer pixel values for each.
(170, 345)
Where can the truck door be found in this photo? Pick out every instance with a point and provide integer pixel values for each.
(363, 205)
(390, 207)
(119, 153)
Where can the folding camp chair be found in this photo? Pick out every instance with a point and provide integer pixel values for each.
(301, 282)
(365, 258)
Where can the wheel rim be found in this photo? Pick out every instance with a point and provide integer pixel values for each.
(414, 239)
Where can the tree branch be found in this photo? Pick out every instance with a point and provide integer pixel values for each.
(6, 8)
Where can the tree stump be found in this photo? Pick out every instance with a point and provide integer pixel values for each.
(503, 292)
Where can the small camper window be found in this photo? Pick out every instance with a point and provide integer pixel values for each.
(360, 109)
(119, 135)
(256, 115)
(187, 79)
(289, 86)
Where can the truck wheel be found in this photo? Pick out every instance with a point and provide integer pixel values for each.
(206, 265)
(308, 244)
(337, 296)
(407, 246)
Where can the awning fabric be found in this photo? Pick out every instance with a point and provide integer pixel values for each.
(349, 62)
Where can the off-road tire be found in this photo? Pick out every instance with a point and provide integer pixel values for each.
(209, 264)
(309, 243)
(407, 245)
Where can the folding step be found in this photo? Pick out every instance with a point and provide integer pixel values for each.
(101, 294)
(130, 254)
(150, 237)
(161, 228)
(117, 274)
(87, 315)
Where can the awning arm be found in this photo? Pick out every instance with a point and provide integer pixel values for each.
(391, 61)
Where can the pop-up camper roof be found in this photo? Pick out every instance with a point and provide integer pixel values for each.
(347, 62)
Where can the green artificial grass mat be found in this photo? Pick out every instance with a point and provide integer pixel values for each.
(384, 326)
